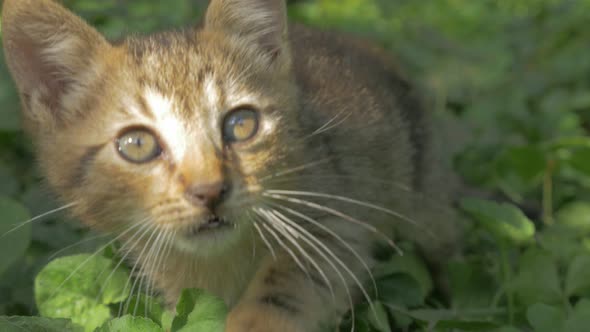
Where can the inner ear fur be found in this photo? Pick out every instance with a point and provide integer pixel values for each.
(46, 48)
(262, 22)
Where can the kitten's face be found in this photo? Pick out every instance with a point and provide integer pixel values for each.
(177, 133)
(171, 134)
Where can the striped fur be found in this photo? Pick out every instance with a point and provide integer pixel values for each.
(342, 158)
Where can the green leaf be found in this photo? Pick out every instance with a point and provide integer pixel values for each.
(537, 279)
(36, 324)
(198, 311)
(410, 264)
(577, 281)
(579, 319)
(507, 329)
(575, 215)
(80, 287)
(378, 317)
(545, 318)
(580, 160)
(466, 325)
(524, 164)
(561, 242)
(130, 324)
(401, 290)
(145, 306)
(15, 234)
(466, 280)
(506, 222)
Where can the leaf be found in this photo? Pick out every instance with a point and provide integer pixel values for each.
(577, 281)
(80, 287)
(145, 306)
(466, 325)
(36, 324)
(579, 320)
(507, 329)
(506, 222)
(15, 237)
(580, 160)
(410, 264)
(198, 311)
(545, 318)
(525, 164)
(130, 324)
(472, 286)
(575, 215)
(378, 317)
(561, 242)
(400, 289)
(537, 279)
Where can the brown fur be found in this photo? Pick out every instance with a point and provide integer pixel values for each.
(79, 93)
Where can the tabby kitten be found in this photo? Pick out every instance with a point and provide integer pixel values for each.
(254, 161)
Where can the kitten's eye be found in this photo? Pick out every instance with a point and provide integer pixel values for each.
(240, 125)
(138, 146)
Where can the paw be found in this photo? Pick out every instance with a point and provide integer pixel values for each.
(256, 318)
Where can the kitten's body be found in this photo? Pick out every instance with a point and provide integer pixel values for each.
(335, 118)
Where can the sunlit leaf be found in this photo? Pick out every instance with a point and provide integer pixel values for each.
(80, 288)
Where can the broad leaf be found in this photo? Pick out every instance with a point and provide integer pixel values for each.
(198, 311)
(80, 288)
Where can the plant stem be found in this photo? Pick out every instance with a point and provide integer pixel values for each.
(548, 193)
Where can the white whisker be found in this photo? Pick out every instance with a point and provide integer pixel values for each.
(90, 257)
(337, 213)
(285, 230)
(336, 236)
(343, 199)
(264, 239)
(139, 258)
(144, 228)
(294, 169)
(269, 228)
(22, 224)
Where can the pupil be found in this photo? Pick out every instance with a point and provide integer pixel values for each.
(139, 142)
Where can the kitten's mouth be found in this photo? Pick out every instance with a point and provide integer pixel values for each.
(212, 223)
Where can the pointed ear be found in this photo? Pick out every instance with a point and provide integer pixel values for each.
(263, 22)
(47, 48)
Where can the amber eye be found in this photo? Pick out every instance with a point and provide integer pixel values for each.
(138, 145)
(240, 125)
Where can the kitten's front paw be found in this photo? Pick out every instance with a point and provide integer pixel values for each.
(256, 318)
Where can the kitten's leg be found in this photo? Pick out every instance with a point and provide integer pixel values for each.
(284, 298)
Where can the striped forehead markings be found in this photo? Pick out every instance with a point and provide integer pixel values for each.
(169, 126)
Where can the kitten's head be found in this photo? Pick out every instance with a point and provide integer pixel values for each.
(175, 130)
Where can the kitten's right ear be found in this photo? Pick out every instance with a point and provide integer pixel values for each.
(47, 48)
(262, 22)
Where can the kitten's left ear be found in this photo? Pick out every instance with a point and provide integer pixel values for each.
(47, 48)
(263, 22)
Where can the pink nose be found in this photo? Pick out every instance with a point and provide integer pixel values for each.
(207, 194)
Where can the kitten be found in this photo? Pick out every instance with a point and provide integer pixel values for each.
(257, 161)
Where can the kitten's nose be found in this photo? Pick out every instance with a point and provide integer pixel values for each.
(207, 194)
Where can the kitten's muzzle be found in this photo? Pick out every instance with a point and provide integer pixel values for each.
(208, 195)
(213, 222)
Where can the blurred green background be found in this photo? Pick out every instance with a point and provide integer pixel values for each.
(512, 75)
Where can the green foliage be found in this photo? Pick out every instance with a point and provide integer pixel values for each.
(80, 287)
(130, 324)
(510, 80)
(199, 312)
(36, 324)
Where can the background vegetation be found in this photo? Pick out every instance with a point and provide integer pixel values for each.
(514, 79)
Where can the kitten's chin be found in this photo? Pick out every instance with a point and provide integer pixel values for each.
(211, 239)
